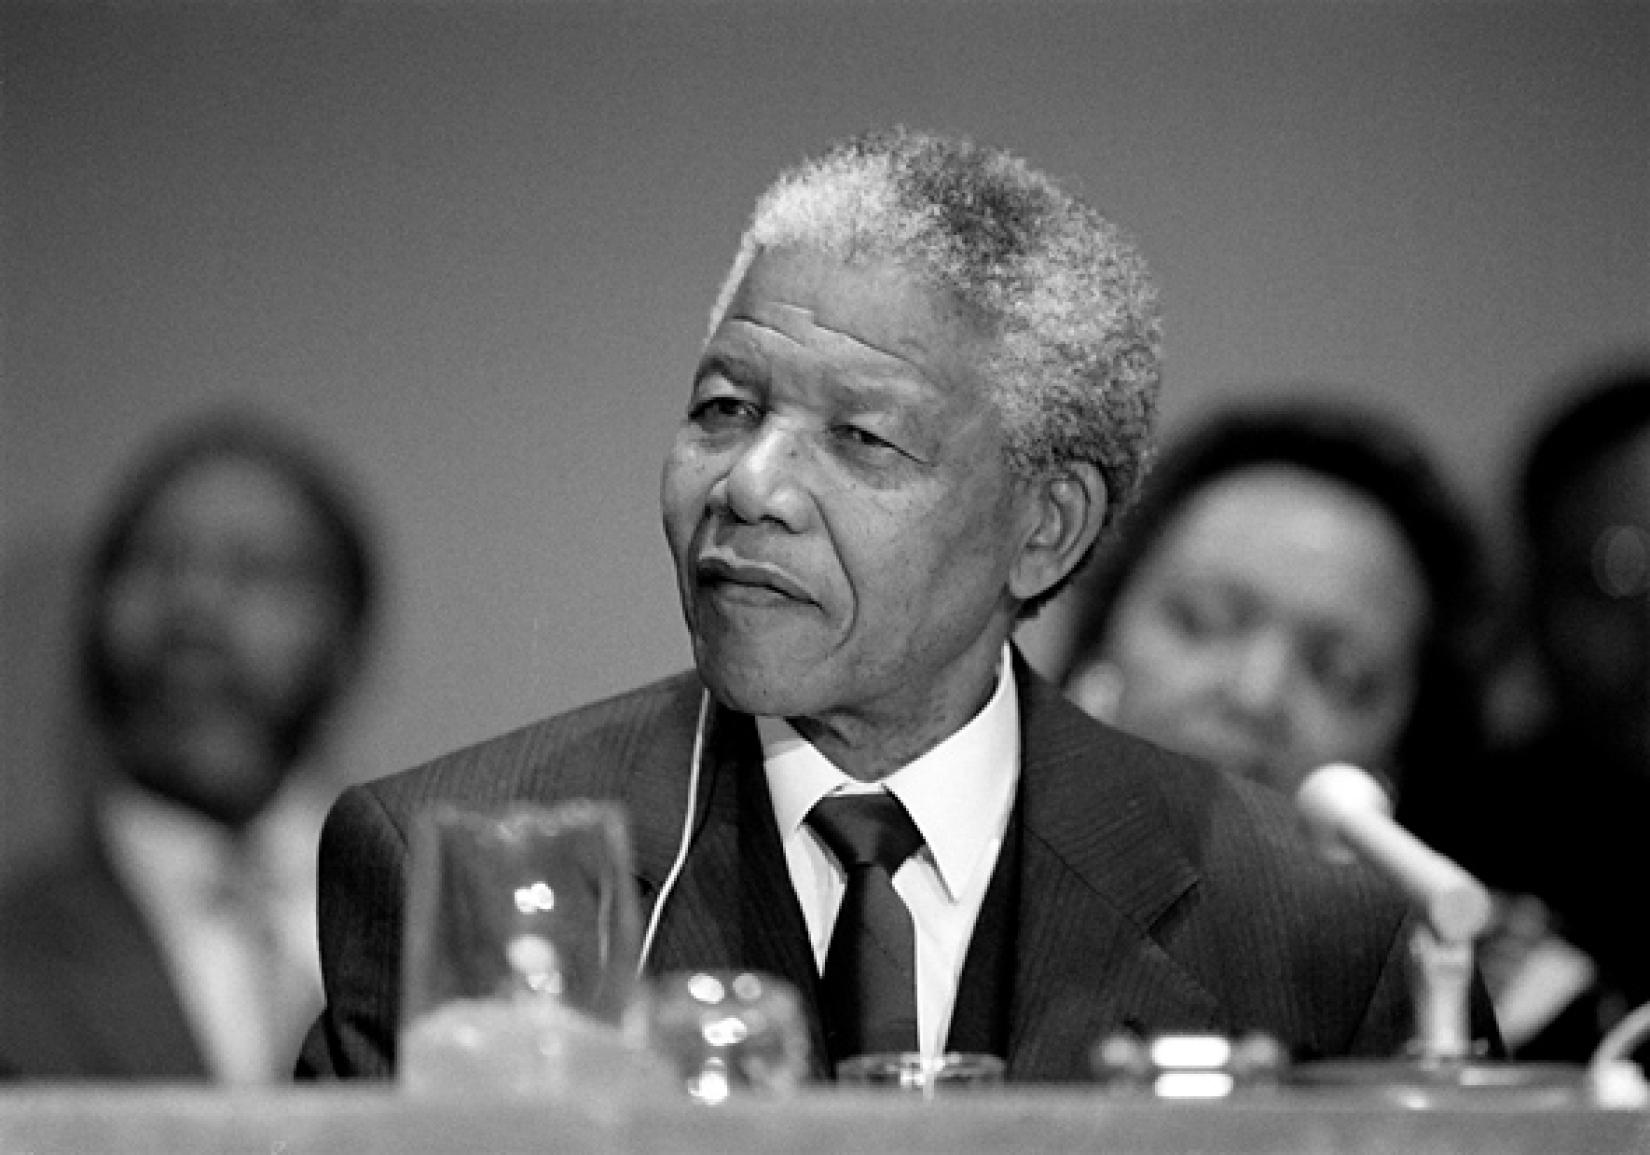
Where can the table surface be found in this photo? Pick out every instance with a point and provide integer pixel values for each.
(43, 1119)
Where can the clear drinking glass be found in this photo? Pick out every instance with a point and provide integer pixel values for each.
(522, 940)
(924, 1075)
(729, 1033)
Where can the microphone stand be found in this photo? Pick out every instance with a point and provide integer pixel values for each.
(1440, 981)
(1349, 817)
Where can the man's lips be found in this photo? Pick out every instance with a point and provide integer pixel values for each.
(720, 569)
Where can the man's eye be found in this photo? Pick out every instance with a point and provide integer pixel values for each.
(724, 412)
(862, 438)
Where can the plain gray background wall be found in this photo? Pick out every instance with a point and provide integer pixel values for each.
(470, 247)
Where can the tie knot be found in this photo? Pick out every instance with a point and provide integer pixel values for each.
(866, 829)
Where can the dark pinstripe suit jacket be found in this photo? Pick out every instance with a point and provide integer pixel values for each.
(1154, 892)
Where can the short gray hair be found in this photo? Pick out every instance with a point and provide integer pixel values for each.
(1066, 296)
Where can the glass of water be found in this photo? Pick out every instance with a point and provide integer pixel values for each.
(522, 940)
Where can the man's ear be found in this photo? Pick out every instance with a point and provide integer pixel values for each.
(1068, 509)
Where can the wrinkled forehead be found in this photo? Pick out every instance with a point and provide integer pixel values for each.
(860, 312)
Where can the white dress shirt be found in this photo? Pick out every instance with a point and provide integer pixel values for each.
(959, 794)
(234, 917)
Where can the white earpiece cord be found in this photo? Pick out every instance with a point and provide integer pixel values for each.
(687, 836)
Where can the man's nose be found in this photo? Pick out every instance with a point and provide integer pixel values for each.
(768, 480)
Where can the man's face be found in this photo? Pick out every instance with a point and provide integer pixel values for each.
(838, 507)
(1274, 626)
(1593, 602)
(221, 631)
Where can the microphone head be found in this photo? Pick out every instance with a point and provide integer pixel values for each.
(1349, 818)
(1331, 795)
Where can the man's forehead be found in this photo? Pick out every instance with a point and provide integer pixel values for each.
(870, 310)
(801, 324)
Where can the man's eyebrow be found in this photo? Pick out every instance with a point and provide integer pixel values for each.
(884, 395)
(738, 366)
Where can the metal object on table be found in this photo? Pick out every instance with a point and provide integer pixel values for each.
(1189, 1066)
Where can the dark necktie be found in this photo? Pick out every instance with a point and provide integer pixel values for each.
(869, 992)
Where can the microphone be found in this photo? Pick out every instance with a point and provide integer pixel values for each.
(1350, 817)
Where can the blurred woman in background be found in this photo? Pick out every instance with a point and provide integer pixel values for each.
(1296, 586)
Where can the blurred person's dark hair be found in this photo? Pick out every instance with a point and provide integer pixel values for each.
(1377, 456)
(261, 440)
(1582, 509)
(1610, 407)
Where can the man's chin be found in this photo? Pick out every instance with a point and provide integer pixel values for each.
(748, 697)
(769, 688)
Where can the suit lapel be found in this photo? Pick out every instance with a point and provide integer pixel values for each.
(117, 986)
(1100, 870)
(660, 764)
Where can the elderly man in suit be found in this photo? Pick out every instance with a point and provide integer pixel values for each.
(927, 387)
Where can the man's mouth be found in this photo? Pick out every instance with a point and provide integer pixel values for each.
(735, 575)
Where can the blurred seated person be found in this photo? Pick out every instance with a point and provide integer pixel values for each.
(1572, 787)
(223, 617)
(1297, 585)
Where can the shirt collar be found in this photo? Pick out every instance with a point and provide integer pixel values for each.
(175, 855)
(958, 793)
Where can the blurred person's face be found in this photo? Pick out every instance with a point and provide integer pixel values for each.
(222, 632)
(1593, 602)
(1274, 626)
(848, 539)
